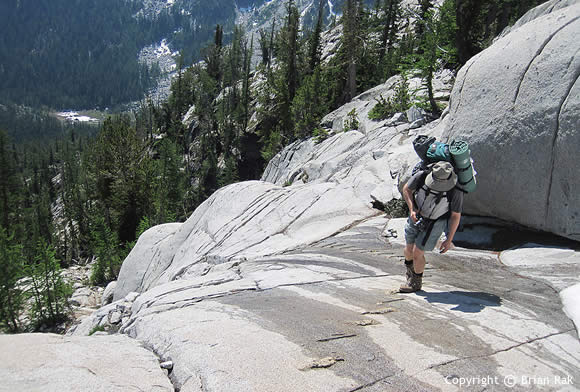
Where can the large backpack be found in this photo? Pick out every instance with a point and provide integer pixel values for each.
(457, 153)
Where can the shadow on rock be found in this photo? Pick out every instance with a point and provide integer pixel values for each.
(465, 301)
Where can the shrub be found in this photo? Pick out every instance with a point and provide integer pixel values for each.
(351, 121)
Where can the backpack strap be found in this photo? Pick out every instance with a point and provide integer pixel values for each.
(428, 232)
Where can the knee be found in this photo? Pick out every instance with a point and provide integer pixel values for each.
(417, 253)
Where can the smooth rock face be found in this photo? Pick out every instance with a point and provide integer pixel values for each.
(109, 292)
(47, 362)
(269, 323)
(239, 221)
(518, 105)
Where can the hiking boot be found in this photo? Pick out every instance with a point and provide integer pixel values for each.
(409, 273)
(413, 284)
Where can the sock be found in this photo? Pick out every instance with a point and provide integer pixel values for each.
(408, 262)
(419, 275)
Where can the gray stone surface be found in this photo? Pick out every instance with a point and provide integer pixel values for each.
(374, 163)
(242, 220)
(110, 317)
(518, 105)
(109, 292)
(415, 113)
(47, 362)
(264, 326)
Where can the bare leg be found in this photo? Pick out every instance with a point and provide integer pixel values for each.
(409, 251)
(418, 260)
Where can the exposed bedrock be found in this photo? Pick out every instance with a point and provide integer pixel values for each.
(518, 105)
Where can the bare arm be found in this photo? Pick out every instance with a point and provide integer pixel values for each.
(454, 220)
(408, 196)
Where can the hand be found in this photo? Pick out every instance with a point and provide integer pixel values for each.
(414, 216)
(446, 245)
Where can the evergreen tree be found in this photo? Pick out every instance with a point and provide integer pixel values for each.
(350, 26)
(308, 106)
(213, 56)
(49, 291)
(11, 293)
(314, 51)
(107, 250)
(8, 182)
(289, 53)
(391, 14)
(119, 165)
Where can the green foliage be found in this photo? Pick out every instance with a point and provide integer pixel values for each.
(272, 145)
(446, 27)
(65, 54)
(351, 122)
(384, 108)
(48, 290)
(320, 134)
(398, 103)
(108, 252)
(308, 106)
(98, 328)
(395, 208)
(11, 292)
(479, 22)
(121, 171)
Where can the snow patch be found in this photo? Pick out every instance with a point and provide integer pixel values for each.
(571, 303)
(75, 117)
(163, 49)
(331, 8)
(535, 255)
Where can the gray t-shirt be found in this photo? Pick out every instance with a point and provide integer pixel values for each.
(455, 196)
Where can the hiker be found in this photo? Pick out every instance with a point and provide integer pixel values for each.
(435, 206)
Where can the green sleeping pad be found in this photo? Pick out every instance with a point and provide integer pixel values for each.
(460, 155)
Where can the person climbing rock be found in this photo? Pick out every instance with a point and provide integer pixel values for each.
(435, 206)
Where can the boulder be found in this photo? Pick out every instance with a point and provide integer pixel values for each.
(517, 104)
(48, 362)
(108, 293)
(108, 318)
(415, 114)
(86, 297)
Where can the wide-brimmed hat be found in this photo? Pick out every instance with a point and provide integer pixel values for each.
(442, 177)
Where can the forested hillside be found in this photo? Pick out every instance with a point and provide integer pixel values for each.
(84, 53)
(79, 197)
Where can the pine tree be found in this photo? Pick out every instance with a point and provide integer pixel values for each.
(314, 50)
(48, 289)
(107, 250)
(308, 106)
(11, 293)
(391, 13)
(351, 19)
(8, 182)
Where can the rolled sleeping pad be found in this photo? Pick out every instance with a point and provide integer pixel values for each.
(460, 155)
